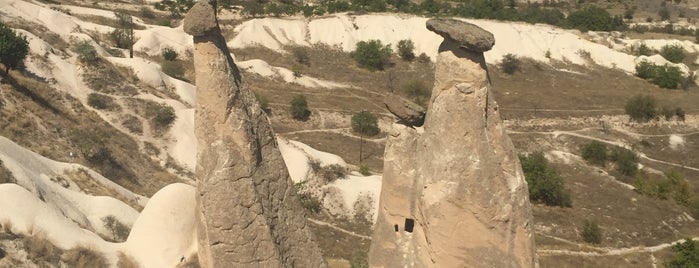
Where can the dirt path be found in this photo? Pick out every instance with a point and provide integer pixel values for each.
(608, 251)
(314, 221)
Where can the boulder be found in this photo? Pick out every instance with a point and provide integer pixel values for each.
(466, 35)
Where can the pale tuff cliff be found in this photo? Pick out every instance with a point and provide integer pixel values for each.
(453, 193)
(247, 209)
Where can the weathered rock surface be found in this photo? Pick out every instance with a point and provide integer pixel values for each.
(466, 35)
(453, 193)
(247, 209)
(408, 113)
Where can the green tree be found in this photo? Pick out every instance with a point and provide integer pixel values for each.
(641, 108)
(123, 35)
(595, 153)
(668, 77)
(299, 108)
(405, 49)
(372, 54)
(591, 19)
(591, 232)
(686, 255)
(626, 161)
(13, 48)
(365, 123)
(664, 13)
(119, 231)
(545, 184)
(673, 53)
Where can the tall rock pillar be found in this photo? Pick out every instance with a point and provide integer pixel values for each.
(247, 210)
(454, 193)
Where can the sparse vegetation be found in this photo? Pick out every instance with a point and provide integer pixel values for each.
(299, 108)
(591, 233)
(372, 54)
(175, 7)
(332, 172)
(670, 186)
(102, 102)
(13, 48)
(545, 184)
(593, 18)
(405, 49)
(595, 153)
(673, 53)
(133, 124)
(163, 116)
(365, 123)
(301, 55)
(119, 231)
(642, 50)
(86, 52)
(173, 68)
(510, 63)
(359, 260)
(641, 108)
(418, 91)
(264, 103)
(309, 202)
(664, 76)
(82, 257)
(5, 174)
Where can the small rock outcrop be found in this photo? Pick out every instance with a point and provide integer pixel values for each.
(247, 211)
(453, 192)
(408, 113)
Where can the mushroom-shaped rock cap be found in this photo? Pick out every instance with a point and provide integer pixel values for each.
(200, 19)
(467, 35)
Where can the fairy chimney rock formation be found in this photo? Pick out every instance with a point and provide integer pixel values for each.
(453, 192)
(247, 210)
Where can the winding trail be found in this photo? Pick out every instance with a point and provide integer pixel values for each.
(610, 251)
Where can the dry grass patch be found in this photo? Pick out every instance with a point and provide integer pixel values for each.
(82, 257)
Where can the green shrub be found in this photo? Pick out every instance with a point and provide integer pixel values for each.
(405, 49)
(671, 185)
(101, 102)
(680, 114)
(133, 124)
(626, 161)
(364, 170)
(86, 52)
(642, 50)
(173, 68)
(510, 63)
(308, 201)
(591, 19)
(372, 54)
(169, 54)
(545, 184)
(645, 69)
(591, 232)
(299, 108)
(359, 260)
(147, 13)
(668, 77)
(664, 13)
(595, 153)
(640, 108)
(686, 254)
(333, 172)
(365, 123)
(423, 58)
(667, 113)
(301, 55)
(176, 7)
(673, 53)
(164, 116)
(13, 48)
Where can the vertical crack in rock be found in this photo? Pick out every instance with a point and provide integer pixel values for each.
(457, 181)
(247, 211)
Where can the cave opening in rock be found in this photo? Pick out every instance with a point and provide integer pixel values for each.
(409, 224)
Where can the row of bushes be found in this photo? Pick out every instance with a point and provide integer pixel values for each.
(642, 108)
(596, 153)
